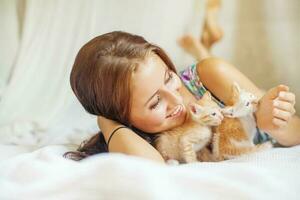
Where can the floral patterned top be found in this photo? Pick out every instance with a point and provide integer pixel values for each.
(191, 80)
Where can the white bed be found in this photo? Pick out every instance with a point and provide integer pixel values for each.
(29, 173)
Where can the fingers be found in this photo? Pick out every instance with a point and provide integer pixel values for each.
(280, 114)
(279, 123)
(285, 102)
(285, 106)
(281, 117)
(287, 96)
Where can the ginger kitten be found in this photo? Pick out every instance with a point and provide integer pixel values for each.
(182, 143)
(234, 136)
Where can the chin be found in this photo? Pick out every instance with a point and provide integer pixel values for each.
(181, 119)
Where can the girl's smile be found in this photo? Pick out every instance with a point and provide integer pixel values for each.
(178, 110)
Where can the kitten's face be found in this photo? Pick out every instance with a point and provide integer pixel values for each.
(208, 113)
(246, 102)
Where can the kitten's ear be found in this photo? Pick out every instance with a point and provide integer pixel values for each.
(195, 108)
(236, 88)
(206, 96)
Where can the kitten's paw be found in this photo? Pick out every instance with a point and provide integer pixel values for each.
(172, 162)
(266, 145)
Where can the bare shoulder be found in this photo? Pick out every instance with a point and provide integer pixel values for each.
(128, 142)
(218, 76)
(214, 69)
(212, 61)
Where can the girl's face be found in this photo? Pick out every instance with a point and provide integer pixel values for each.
(157, 104)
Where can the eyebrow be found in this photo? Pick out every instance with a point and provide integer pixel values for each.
(157, 90)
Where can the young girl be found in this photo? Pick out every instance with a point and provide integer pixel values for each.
(134, 89)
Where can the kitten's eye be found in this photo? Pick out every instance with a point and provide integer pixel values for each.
(247, 104)
(214, 114)
(156, 103)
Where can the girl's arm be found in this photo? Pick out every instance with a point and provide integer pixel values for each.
(126, 141)
(218, 76)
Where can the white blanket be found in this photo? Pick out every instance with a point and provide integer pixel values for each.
(45, 174)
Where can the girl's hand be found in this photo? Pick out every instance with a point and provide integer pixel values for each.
(275, 109)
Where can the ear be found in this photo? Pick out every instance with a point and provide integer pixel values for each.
(195, 108)
(206, 96)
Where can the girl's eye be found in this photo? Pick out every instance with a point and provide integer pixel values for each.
(170, 76)
(156, 103)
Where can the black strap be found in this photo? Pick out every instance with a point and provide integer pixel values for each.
(113, 134)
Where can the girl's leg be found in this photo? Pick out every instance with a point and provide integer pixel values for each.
(192, 46)
(212, 31)
(211, 34)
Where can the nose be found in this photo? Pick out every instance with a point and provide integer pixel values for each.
(172, 97)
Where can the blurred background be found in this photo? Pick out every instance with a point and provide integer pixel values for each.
(39, 40)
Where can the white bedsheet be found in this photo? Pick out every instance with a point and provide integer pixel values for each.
(43, 173)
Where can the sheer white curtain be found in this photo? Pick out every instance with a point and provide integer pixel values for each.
(9, 39)
(38, 96)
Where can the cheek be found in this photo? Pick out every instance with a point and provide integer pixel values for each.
(157, 117)
(150, 121)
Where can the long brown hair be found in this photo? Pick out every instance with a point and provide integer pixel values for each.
(100, 79)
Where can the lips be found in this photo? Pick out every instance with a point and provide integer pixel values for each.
(176, 111)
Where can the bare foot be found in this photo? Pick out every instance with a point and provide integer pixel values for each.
(212, 31)
(192, 46)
